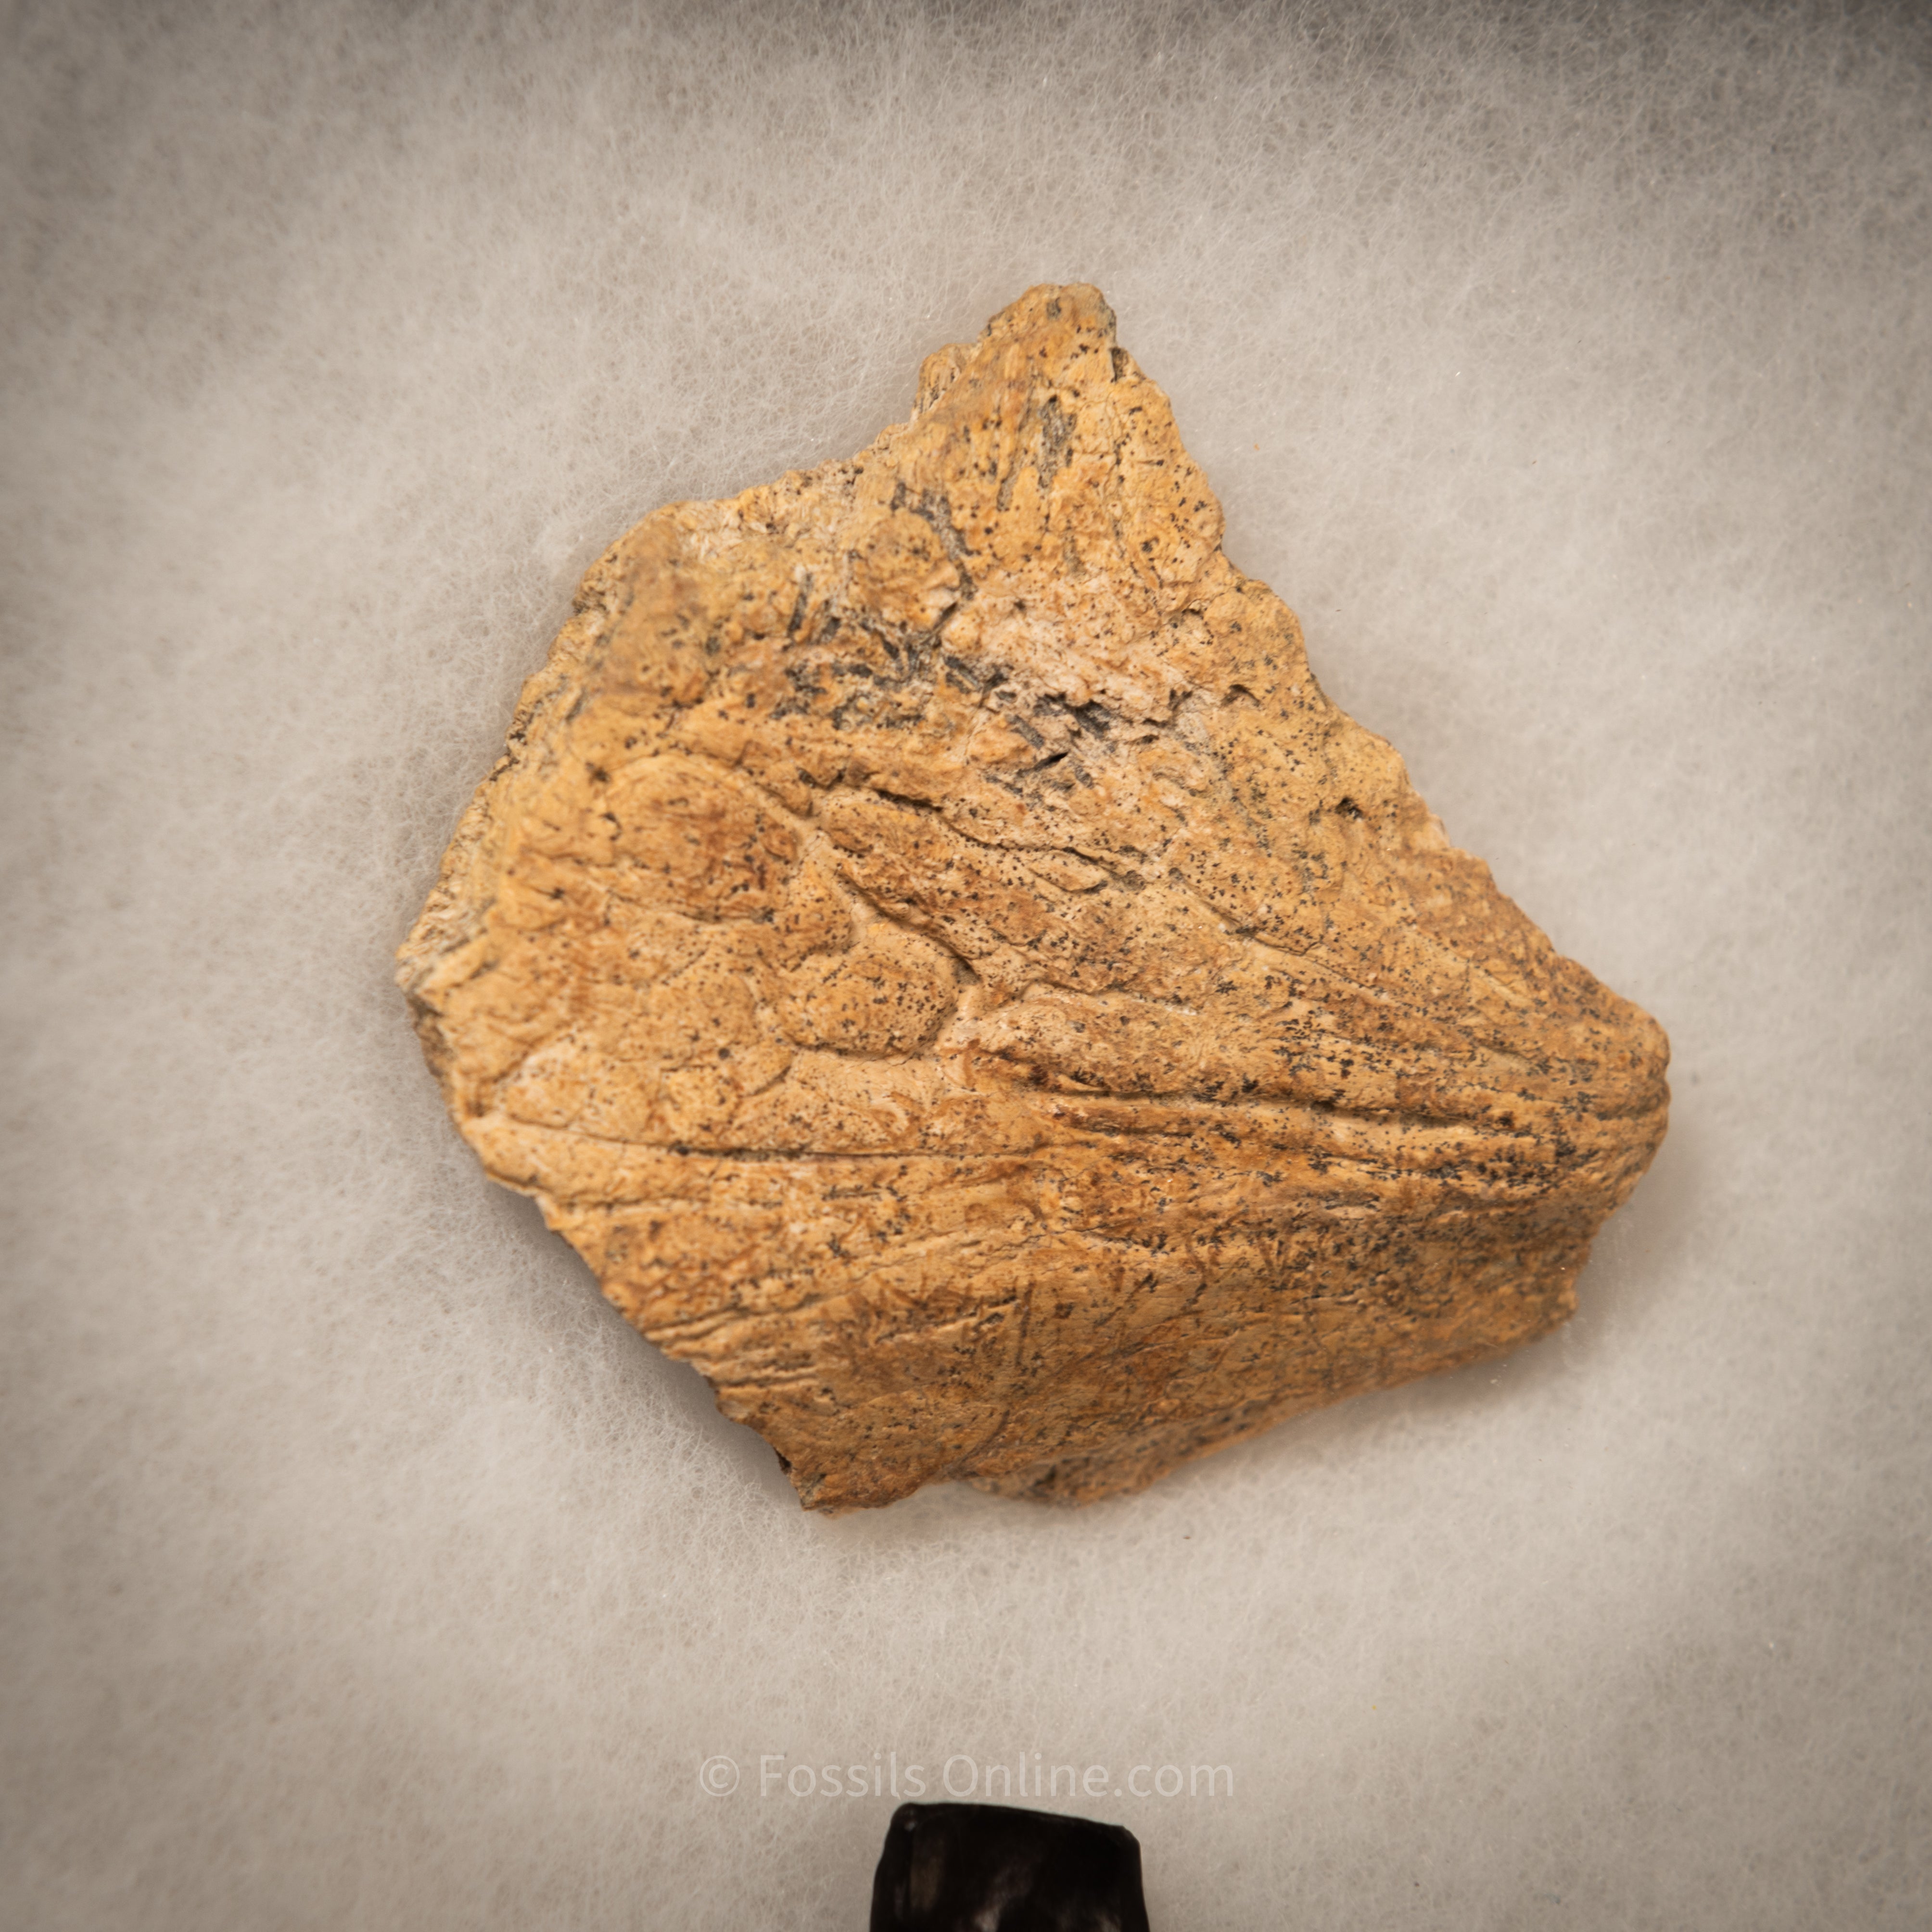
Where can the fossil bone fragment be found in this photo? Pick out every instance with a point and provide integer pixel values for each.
(933, 949)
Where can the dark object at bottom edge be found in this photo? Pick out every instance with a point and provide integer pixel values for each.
(991, 1868)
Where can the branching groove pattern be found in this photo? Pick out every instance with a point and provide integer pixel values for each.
(933, 949)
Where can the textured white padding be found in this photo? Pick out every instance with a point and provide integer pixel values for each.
(1569, 377)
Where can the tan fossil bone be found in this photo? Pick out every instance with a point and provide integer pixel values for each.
(932, 949)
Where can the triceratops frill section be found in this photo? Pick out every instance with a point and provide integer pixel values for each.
(932, 948)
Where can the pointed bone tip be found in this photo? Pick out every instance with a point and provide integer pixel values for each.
(1077, 308)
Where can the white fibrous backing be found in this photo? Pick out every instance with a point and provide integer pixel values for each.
(1566, 377)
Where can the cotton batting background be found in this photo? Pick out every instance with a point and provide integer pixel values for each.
(1563, 367)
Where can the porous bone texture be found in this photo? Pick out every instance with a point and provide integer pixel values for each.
(933, 949)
